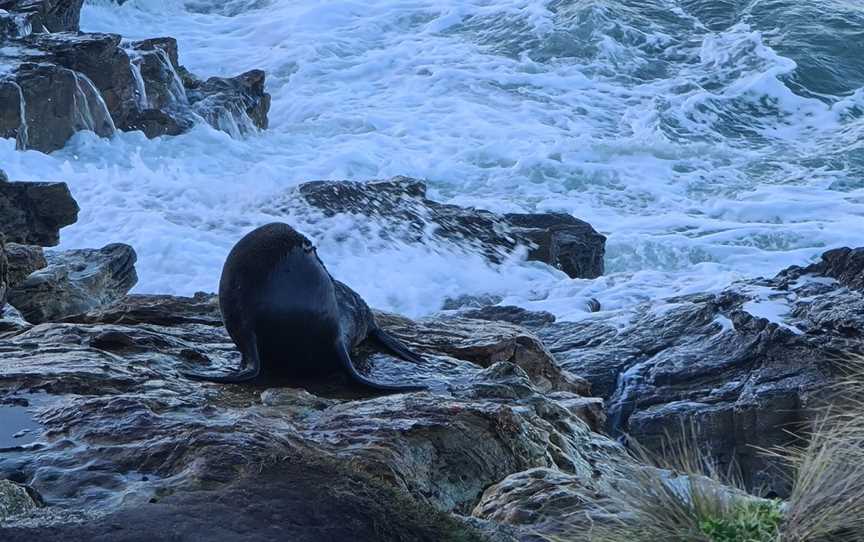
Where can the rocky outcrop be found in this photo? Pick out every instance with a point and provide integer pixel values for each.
(74, 282)
(33, 213)
(737, 370)
(64, 82)
(403, 211)
(482, 420)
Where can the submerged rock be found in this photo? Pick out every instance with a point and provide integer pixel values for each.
(400, 206)
(33, 213)
(74, 282)
(235, 105)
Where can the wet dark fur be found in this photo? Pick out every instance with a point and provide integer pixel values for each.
(287, 315)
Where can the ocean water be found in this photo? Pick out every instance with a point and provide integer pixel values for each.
(710, 140)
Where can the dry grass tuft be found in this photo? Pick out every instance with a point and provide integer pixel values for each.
(827, 500)
(700, 504)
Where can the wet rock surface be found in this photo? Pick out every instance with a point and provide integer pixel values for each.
(4, 272)
(33, 213)
(74, 282)
(404, 212)
(62, 81)
(22, 261)
(296, 498)
(507, 432)
(110, 397)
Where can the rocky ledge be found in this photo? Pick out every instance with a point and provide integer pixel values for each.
(57, 81)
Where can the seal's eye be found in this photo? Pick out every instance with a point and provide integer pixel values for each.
(308, 247)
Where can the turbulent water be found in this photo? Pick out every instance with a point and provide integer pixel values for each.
(708, 139)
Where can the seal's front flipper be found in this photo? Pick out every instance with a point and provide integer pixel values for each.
(357, 378)
(395, 347)
(250, 372)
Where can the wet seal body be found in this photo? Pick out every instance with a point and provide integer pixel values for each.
(289, 317)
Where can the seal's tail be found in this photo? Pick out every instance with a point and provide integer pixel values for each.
(392, 344)
(357, 378)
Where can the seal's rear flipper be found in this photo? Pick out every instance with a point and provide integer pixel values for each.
(357, 378)
(251, 371)
(394, 346)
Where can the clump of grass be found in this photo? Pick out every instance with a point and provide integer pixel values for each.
(749, 522)
(827, 500)
(700, 505)
(680, 495)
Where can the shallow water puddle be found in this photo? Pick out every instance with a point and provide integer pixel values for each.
(18, 427)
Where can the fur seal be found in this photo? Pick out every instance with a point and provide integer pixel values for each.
(289, 317)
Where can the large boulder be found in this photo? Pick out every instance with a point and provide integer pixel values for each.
(400, 205)
(33, 213)
(74, 282)
(737, 370)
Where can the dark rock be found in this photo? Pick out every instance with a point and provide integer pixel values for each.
(710, 364)
(98, 57)
(486, 343)
(401, 205)
(4, 273)
(235, 105)
(74, 282)
(571, 244)
(295, 498)
(57, 103)
(46, 15)
(155, 123)
(156, 59)
(514, 315)
(846, 265)
(33, 213)
(164, 310)
(23, 260)
(12, 124)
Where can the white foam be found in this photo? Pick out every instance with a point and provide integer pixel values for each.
(685, 147)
